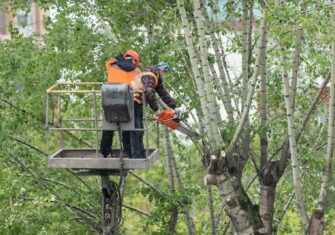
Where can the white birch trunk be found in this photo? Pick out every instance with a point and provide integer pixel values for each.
(169, 155)
(296, 62)
(173, 167)
(195, 70)
(245, 50)
(168, 160)
(289, 102)
(208, 84)
(218, 114)
(211, 209)
(224, 89)
(251, 90)
(188, 217)
(264, 106)
(316, 222)
(237, 216)
(229, 80)
(293, 144)
(267, 192)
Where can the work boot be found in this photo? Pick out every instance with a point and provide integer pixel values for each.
(108, 155)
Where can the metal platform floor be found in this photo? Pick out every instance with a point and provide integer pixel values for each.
(89, 159)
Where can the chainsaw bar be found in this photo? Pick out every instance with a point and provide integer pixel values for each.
(170, 119)
(186, 131)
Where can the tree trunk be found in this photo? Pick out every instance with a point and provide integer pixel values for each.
(296, 62)
(188, 217)
(267, 180)
(237, 204)
(169, 155)
(245, 51)
(251, 90)
(224, 88)
(208, 82)
(316, 222)
(211, 209)
(264, 106)
(237, 216)
(197, 75)
(293, 143)
(266, 206)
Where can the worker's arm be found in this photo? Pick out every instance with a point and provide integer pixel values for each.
(149, 87)
(165, 95)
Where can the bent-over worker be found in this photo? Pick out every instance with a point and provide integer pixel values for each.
(148, 83)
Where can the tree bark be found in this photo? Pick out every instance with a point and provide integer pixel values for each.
(293, 143)
(316, 222)
(224, 88)
(237, 216)
(251, 90)
(211, 209)
(174, 214)
(208, 82)
(169, 155)
(296, 62)
(246, 54)
(266, 206)
(197, 75)
(264, 106)
(267, 182)
(245, 51)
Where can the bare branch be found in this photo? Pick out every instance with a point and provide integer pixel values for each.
(136, 210)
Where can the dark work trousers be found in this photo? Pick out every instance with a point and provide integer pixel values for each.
(136, 137)
(107, 140)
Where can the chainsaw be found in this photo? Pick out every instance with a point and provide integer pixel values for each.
(170, 119)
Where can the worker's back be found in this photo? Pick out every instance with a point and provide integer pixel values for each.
(121, 71)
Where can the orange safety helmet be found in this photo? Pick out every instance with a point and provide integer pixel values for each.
(133, 54)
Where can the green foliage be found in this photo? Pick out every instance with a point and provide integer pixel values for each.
(76, 45)
(291, 224)
(160, 216)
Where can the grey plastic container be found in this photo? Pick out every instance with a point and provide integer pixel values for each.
(116, 102)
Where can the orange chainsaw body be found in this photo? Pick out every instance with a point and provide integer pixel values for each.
(169, 119)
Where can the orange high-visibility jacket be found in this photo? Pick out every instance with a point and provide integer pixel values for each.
(137, 84)
(117, 75)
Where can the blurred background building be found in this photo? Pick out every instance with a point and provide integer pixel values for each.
(27, 22)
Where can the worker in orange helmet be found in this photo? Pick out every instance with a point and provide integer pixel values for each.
(120, 69)
(134, 55)
(123, 68)
(146, 84)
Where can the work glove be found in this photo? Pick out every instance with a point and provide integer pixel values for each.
(156, 115)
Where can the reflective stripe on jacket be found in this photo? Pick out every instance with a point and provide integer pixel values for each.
(137, 84)
(152, 85)
(116, 75)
